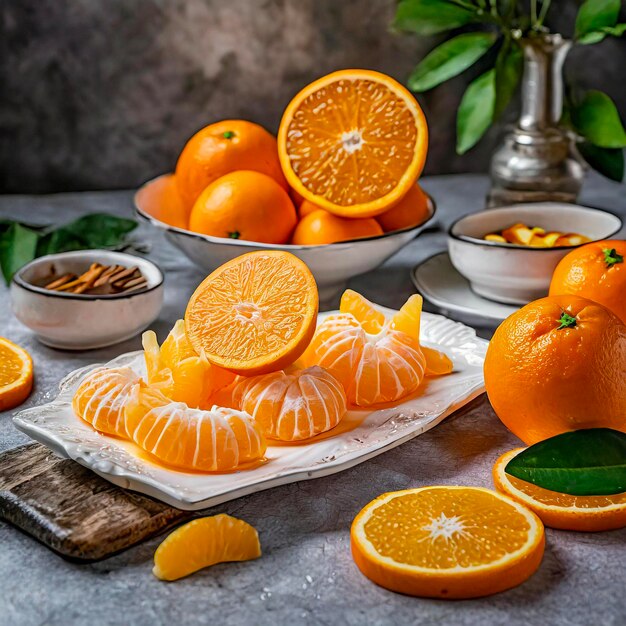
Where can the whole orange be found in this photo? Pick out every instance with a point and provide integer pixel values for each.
(306, 207)
(558, 364)
(412, 210)
(244, 205)
(596, 271)
(224, 147)
(321, 227)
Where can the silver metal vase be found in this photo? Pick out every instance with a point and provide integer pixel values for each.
(536, 161)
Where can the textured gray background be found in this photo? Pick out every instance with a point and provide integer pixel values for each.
(306, 574)
(103, 95)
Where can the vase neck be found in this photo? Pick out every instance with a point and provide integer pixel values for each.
(542, 83)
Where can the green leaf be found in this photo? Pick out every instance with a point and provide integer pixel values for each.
(608, 161)
(595, 15)
(475, 113)
(509, 68)
(580, 463)
(95, 230)
(18, 246)
(597, 120)
(429, 17)
(449, 59)
(596, 36)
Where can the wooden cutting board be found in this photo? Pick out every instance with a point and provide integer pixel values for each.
(72, 510)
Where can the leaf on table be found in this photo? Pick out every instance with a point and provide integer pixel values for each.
(96, 230)
(588, 462)
(450, 59)
(594, 15)
(429, 17)
(608, 161)
(475, 113)
(18, 246)
(509, 68)
(597, 120)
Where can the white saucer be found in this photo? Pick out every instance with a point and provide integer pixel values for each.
(438, 281)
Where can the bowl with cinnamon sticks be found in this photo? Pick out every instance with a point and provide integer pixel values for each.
(87, 299)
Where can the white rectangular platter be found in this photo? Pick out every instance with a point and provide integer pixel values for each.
(56, 426)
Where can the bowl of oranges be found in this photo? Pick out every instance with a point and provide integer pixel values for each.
(338, 187)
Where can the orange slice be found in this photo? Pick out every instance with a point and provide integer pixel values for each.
(447, 542)
(178, 371)
(371, 319)
(561, 510)
(102, 396)
(353, 142)
(290, 407)
(254, 314)
(16, 374)
(204, 542)
(208, 441)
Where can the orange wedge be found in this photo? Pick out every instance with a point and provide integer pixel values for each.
(447, 542)
(217, 440)
(101, 399)
(204, 542)
(561, 510)
(353, 142)
(255, 314)
(16, 374)
(290, 407)
(178, 371)
(371, 319)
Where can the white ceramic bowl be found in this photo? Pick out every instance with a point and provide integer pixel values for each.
(82, 321)
(519, 274)
(332, 265)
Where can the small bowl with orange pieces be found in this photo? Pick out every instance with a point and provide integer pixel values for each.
(509, 254)
(341, 196)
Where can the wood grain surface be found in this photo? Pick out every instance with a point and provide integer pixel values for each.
(72, 510)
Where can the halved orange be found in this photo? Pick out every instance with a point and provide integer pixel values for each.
(353, 142)
(16, 374)
(561, 510)
(204, 542)
(254, 314)
(447, 542)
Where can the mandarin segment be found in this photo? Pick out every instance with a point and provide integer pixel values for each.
(447, 542)
(372, 368)
(16, 374)
(353, 142)
(102, 396)
(561, 510)
(254, 314)
(291, 407)
(371, 319)
(178, 371)
(215, 440)
(204, 542)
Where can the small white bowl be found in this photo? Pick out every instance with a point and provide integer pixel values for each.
(519, 274)
(83, 321)
(332, 265)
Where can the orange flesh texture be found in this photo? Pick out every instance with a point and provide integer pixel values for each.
(217, 440)
(291, 407)
(204, 542)
(352, 141)
(16, 374)
(561, 510)
(443, 533)
(254, 314)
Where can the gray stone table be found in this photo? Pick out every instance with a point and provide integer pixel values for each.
(306, 574)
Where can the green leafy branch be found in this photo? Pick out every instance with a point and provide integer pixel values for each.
(593, 119)
(21, 243)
